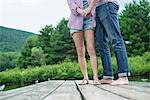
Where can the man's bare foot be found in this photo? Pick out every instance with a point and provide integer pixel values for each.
(121, 81)
(84, 82)
(96, 82)
(106, 81)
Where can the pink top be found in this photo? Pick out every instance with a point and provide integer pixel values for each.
(76, 20)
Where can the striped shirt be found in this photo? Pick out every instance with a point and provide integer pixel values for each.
(101, 2)
(85, 4)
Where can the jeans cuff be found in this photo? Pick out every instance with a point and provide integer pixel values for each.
(108, 77)
(126, 74)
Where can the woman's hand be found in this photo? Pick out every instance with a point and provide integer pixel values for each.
(84, 12)
(87, 11)
(80, 11)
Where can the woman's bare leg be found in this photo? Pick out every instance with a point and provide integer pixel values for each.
(89, 35)
(79, 43)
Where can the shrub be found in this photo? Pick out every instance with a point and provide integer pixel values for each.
(139, 65)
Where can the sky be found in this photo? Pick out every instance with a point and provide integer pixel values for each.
(33, 15)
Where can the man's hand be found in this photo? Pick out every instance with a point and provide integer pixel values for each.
(89, 15)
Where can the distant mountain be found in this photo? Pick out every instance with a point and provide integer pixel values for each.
(12, 39)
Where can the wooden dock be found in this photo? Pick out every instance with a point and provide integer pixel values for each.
(70, 90)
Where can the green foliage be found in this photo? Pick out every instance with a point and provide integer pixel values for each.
(8, 60)
(139, 65)
(55, 45)
(11, 40)
(26, 58)
(62, 44)
(38, 57)
(11, 76)
(135, 26)
(60, 71)
(45, 41)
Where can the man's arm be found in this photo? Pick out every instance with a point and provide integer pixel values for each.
(92, 4)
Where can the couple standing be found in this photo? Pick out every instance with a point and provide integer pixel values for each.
(102, 14)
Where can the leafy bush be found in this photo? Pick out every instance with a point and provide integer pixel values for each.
(8, 60)
(139, 65)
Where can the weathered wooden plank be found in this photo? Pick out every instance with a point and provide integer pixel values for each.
(61, 90)
(125, 92)
(141, 84)
(137, 88)
(91, 92)
(37, 92)
(15, 92)
(68, 91)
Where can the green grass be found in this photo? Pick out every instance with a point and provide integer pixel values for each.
(139, 66)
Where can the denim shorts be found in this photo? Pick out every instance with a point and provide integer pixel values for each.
(87, 25)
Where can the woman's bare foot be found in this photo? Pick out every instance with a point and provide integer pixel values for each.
(121, 81)
(106, 81)
(96, 82)
(84, 82)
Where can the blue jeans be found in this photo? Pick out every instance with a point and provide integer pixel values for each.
(108, 30)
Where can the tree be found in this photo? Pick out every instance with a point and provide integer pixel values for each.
(8, 60)
(135, 27)
(62, 44)
(45, 42)
(38, 57)
(52, 46)
(25, 58)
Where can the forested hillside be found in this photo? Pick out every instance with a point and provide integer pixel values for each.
(12, 39)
